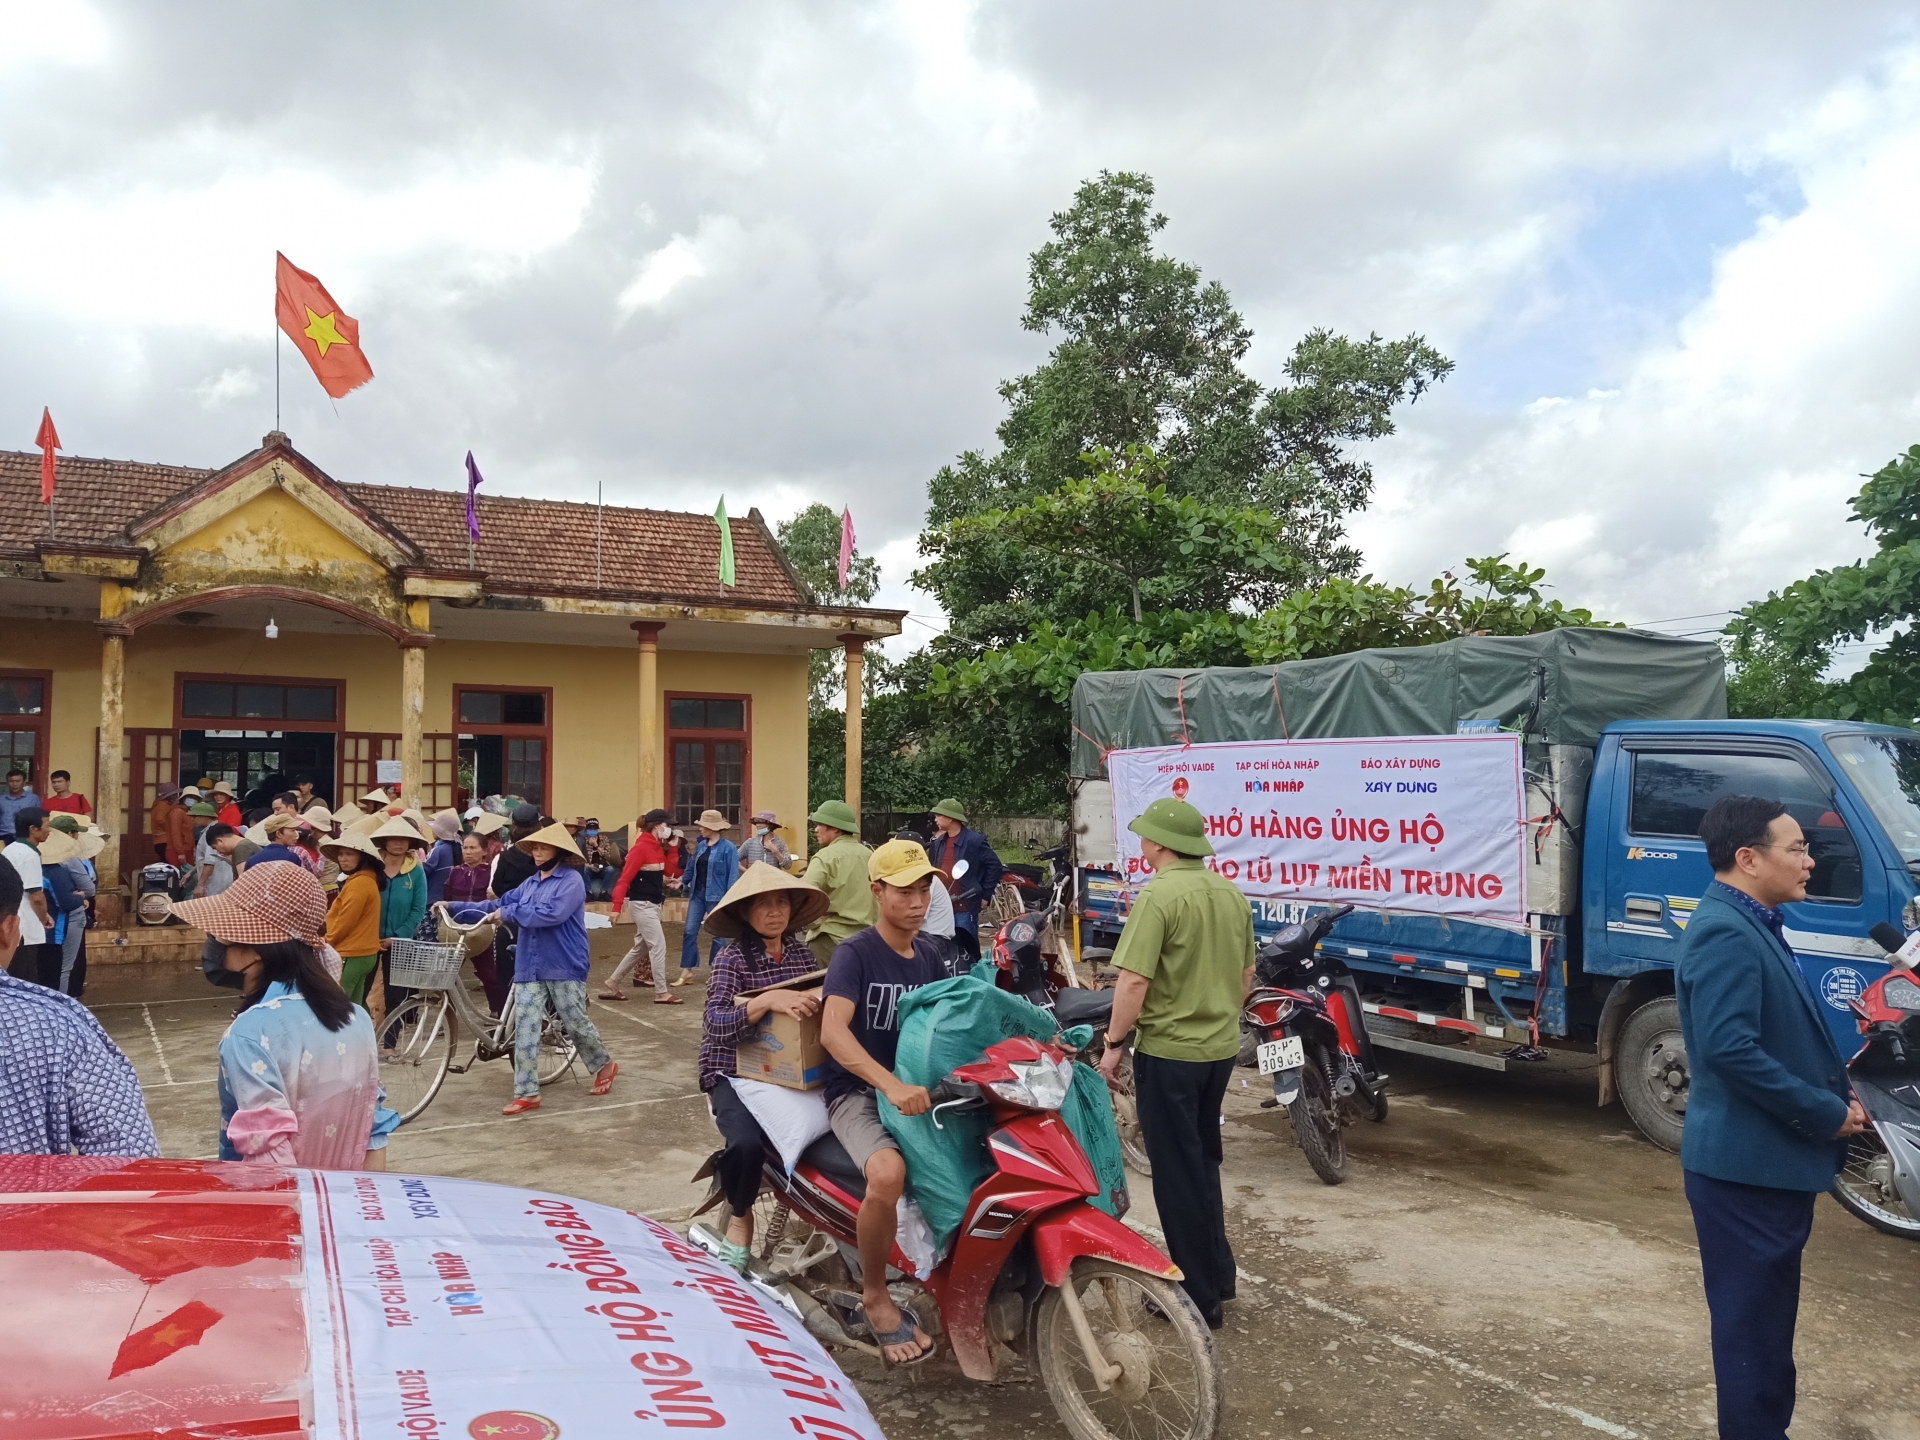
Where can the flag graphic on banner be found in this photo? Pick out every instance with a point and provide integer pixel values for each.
(49, 441)
(726, 542)
(846, 546)
(323, 332)
(176, 1331)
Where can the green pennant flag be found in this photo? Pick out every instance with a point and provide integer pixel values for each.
(726, 543)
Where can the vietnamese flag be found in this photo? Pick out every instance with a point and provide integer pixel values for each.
(150, 1346)
(326, 334)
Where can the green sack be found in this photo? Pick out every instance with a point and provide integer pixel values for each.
(949, 1024)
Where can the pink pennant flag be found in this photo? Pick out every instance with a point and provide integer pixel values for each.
(846, 546)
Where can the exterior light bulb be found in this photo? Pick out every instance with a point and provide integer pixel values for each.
(273, 630)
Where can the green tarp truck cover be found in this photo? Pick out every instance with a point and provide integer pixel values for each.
(1560, 687)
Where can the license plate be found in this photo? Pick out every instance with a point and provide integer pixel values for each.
(1286, 1053)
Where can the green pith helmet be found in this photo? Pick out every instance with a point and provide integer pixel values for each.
(839, 815)
(1174, 824)
(951, 809)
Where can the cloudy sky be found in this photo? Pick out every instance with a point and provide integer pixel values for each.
(778, 251)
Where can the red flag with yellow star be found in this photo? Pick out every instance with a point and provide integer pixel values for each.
(150, 1346)
(326, 334)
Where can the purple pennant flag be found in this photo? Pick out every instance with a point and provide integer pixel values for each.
(473, 483)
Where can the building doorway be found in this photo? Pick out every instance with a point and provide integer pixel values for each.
(258, 764)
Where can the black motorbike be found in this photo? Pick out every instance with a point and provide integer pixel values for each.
(1880, 1182)
(1304, 1026)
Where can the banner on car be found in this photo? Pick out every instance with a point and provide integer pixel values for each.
(1433, 824)
(446, 1309)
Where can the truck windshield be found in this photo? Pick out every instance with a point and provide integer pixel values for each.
(1886, 770)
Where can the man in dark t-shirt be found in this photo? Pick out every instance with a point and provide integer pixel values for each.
(860, 1028)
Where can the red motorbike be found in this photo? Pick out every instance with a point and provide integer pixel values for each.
(1035, 1272)
(1304, 1025)
(1880, 1182)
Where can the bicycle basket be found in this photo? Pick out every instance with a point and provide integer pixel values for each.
(423, 965)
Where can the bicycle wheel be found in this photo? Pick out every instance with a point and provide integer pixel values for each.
(412, 1071)
(556, 1051)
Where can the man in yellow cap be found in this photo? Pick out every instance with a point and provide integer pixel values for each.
(1186, 959)
(860, 1028)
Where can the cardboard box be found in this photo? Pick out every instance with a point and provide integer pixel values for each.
(785, 1051)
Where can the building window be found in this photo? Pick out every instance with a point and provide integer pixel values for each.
(252, 700)
(505, 742)
(23, 725)
(709, 757)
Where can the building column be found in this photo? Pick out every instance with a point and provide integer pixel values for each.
(109, 790)
(413, 704)
(648, 634)
(856, 671)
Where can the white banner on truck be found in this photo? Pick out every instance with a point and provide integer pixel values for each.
(1432, 824)
(443, 1309)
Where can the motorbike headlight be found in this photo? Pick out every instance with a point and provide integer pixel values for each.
(1037, 1084)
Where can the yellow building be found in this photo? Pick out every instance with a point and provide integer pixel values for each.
(265, 620)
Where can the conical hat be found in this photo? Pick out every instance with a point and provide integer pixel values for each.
(376, 797)
(57, 848)
(555, 835)
(89, 843)
(395, 827)
(319, 819)
(486, 823)
(728, 919)
(352, 841)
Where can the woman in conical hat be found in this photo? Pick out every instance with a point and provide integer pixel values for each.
(761, 917)
(549, 911)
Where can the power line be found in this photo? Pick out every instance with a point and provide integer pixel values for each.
(1676, 619)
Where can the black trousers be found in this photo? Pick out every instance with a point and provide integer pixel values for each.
(747, 1146)
(1751, 1237)
(38, 963)
(1179, 1104)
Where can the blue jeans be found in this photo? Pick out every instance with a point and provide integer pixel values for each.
(1751, 1237)
(697, 909)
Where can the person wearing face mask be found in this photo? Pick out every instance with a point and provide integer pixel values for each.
(549, 910)
(764, 844)
(642, 888)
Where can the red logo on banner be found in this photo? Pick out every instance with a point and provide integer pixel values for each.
(512, 1425)
(1180, 787)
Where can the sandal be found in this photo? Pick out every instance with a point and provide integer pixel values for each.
(668, 1000)
(610, 995)
(603, 1082)
(521, 1104)
(737, 1256)
(902, 1336)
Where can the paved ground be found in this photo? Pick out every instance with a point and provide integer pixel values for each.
(1505, 1260)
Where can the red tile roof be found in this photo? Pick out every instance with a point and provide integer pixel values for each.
(528, 546)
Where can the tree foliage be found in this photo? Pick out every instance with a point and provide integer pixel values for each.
(812, 542)
(1148, 354)
(1782, 645)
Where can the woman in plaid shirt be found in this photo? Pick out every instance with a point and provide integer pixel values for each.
(762, 918)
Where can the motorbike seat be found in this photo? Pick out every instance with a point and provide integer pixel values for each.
(1082, 1007)
(830, 1158)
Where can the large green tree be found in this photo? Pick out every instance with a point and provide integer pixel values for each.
(1150, 354)
(1781, 646)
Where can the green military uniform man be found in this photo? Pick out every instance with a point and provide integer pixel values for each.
(839, 867)
(1185, 959)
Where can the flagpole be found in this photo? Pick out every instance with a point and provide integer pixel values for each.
(276, 373)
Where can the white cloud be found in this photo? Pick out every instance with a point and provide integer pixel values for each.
(1720, 466)
(660, 273)
(232, 384)
(63, 31)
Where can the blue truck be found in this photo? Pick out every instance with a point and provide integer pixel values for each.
(1617, 863)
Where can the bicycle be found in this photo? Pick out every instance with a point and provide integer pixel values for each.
(425, 1025)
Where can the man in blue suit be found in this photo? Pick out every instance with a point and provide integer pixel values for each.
(1768, 1109)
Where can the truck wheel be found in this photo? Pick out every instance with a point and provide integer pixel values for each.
(1650, 1071)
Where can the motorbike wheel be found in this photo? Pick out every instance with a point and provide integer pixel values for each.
(1316, 1127)
(1864, 1187)
(1170, 1383)
(1126, 1119)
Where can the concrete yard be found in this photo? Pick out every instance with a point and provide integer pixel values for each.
(1505, 1260)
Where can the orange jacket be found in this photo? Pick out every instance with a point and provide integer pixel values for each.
(353, 924)
(179, 836)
